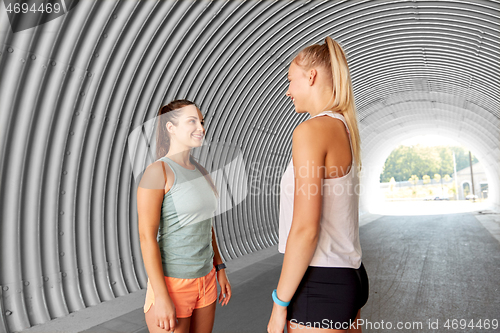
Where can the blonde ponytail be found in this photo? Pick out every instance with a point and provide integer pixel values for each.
(332, 58)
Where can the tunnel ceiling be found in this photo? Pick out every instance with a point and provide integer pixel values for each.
(72, 91)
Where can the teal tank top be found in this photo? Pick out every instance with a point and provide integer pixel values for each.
(185, 231)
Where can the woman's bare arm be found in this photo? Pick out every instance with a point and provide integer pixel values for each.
(308, 157)
(150, 195)
(217, 257)
(225, 286)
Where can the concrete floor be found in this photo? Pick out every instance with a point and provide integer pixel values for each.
(423, 270)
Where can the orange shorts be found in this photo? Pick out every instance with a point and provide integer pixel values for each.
(187, 294)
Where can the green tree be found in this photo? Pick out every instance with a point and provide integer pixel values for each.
(462, 157)
(413, 179)
(405, 161)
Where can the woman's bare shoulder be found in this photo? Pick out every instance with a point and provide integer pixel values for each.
(153, 177)
(326, 134)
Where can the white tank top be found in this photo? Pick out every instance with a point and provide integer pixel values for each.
(338, 242)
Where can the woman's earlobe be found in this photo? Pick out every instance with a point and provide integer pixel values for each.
(312, 76)
(166, 127)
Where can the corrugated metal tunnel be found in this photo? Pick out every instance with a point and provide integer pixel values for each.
(78, 90)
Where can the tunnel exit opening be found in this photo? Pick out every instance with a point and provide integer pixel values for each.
(431, 174)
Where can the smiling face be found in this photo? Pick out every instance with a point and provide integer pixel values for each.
(298, 87)
(189, 131)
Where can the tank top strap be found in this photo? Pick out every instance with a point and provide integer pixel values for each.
(334, 115)
(341, 117)
(184, 173)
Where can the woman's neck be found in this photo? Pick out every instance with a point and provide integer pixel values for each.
(179, 155)
(321, 98)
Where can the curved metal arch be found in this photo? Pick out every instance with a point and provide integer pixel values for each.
(107, 87)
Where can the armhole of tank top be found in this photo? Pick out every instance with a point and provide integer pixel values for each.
(350, 145)
(165, 174)
(342, 119)
(353, 164)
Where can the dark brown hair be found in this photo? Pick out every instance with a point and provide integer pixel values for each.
(170, 113)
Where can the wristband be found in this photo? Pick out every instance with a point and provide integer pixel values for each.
(220, 266)
(277, 300)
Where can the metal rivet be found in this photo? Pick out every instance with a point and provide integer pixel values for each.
(64, 274)
(10, 49)
(8, 313)
(92, 116)
(61, 233)
(22, 60)
(65, 172)
(26, 283)
(68, 153)
(46, 279)
(61, 213)
(71, 133)
(72, 69)
(115, 16)
(80, 270)
(105, 35)
(89, 74)
(5, 288)
(63, 72)
(53, 63)
(82, 94)
(63, 192)
(96, 55)
(33, 57)
(61, 254)
(109, 264)
(77, 113)
(44, 66)
(113, 283)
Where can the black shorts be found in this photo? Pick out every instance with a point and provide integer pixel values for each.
(329, 294)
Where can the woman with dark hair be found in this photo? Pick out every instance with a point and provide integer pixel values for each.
(323, 283)
(176, 200)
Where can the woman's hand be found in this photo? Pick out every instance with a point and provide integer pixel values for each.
(277, 321)
(225, 287)
(165, 313)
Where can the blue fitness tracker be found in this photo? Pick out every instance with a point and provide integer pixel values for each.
(277, 300)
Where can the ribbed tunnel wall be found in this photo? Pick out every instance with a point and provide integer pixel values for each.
(72, 91)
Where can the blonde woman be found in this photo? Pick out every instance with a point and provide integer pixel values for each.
(323, 283)
(176, 200)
